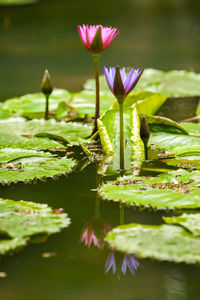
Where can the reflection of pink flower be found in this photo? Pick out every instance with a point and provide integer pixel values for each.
(94, 231)
(96, 38)
(129, 261)
(88, 236)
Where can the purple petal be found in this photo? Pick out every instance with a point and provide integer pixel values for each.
(109, 77)
(123, 75)
(128, 80)
(134, 80)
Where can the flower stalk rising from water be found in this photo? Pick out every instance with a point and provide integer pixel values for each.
(46, 88)
(121, 84)
(96, 38)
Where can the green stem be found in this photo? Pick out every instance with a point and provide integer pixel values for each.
(47, 107)
(121, 212)
(96, 75)
(121, 136)
(146, 150)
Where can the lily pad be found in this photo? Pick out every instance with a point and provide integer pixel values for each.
(173, 83)
(173, 190)
(186, 162)
(190, 222)
(19, 220)
(164, 242)
(23, 165)
(40, 134)
(108, 126)
(145, 102)
(84, 103)
(17, 2)
(33, 105)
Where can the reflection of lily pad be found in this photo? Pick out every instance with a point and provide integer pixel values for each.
(173, 83)
(40, 134)
(165, 242)
(176, 189)
(33, 105)
(19, 220)
(22, 165)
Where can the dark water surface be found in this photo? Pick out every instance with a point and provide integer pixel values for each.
(159, 34)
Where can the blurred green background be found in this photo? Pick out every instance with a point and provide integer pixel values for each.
(153, 33)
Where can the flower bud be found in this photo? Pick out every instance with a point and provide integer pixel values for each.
(46, 86)
(144, 130)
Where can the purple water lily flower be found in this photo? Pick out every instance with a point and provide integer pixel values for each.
(120, 83)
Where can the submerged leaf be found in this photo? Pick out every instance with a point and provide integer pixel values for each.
(164, 242)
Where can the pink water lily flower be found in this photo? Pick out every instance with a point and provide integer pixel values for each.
(96, 38)
(120, 83)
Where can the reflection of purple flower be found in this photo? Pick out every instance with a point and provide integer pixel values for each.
(94, 231)
(110, 262)
(121, 83)
(129, 261)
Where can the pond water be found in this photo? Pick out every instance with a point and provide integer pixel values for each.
(153, 34)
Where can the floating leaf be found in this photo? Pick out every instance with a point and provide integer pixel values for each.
(40, 134)
(174, 143)
(33, 105)
(164, 242)
(145, 102)
(192, 128)
(108, 126)
(19, 220)
(22, 165)
(162, 124)
(185, 162)
(189, 221)
(173, 83)
(172, 190)
(84, 103)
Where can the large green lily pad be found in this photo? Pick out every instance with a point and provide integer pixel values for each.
(33, 105)
(22, 165)
(164, 242)
(189, 221)
(147, 103)
(40, 134)
(173, 190)
(19, 220)
(173, 83)
(185, 162)
(108, 126)
(84, 103)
